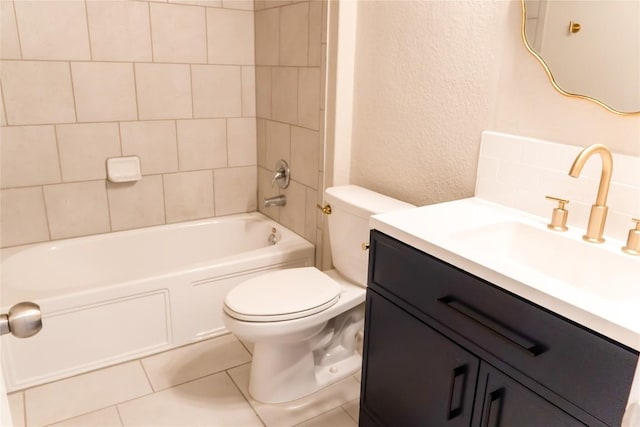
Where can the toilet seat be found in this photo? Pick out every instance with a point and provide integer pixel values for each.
(282, 295)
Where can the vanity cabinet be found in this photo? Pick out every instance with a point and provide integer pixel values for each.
(445, 348)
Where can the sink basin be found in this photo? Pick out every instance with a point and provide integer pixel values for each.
(523, 250)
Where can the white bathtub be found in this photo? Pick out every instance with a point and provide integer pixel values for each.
(119, 296)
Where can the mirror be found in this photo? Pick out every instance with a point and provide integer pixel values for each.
(589, 48)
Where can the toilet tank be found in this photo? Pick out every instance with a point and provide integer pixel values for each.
(351, 207)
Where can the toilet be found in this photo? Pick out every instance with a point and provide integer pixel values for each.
(304, 322)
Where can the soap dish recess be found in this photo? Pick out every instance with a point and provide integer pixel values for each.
(123, 169)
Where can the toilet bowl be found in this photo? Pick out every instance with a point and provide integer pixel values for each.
(304, 322)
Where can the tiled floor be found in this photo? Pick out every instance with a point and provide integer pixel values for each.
(203, 384)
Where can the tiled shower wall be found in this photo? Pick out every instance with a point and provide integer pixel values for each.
(290, 63)
(82, 81)
(171, 82)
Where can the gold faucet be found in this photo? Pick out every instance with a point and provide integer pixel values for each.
(598, 215)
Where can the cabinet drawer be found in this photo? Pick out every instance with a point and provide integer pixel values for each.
(577, 364)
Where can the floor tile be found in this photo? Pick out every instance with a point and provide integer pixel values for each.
(16, 406)
(211, 401)
(292, 413)
(85, 393)
(107, 417)
(353, 409)
(194, 361)
(334, 418)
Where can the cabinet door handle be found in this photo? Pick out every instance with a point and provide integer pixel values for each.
(456, 394)
(530, 347)
(494, 408)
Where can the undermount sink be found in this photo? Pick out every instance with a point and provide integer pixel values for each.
(531, 251)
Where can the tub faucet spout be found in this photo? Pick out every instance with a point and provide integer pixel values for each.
(598, 216)
(280, 200)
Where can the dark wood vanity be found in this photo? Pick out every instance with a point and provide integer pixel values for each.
(445, 348)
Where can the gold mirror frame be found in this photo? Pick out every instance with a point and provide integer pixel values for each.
(550, 75)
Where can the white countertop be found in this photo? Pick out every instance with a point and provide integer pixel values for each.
(611, 311)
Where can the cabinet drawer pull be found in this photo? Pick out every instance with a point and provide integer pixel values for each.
(530, 347)
(456, 395)
(494, 408)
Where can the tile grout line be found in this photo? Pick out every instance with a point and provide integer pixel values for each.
(243, 396)
(146, 374)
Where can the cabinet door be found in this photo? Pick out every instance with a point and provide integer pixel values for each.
(504, 402)
(413, 376)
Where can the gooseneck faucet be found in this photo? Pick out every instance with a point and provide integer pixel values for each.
(598, 216)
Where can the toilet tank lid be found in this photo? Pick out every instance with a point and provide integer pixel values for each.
(362, 201)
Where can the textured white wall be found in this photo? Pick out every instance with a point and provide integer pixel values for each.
(431, 75)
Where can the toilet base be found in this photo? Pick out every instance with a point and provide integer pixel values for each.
(297, 377)
(286, 371)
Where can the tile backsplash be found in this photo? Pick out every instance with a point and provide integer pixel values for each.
(518, 172)
(172, 82)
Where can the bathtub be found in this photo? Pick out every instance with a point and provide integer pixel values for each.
(119, 296)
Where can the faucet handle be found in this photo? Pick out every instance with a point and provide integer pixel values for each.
(633, 240)
(559, 215)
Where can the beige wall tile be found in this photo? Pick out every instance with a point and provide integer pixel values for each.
(304, 156)
(249, 91)
(241, 141)
(9, 43)
(205, 3)
(261, 140)
(263, 92)
(3, 116)
(294, 34)
(202, 144)
(154, 142)
(217, 91)
(84, 149)
(230, 36)
(140, 204)
(258, 4)
(119, 30)
(164, 91)
(278, 136)
(292, 215)
(188, 195)
(276, 3)
(267, 27)
(323, 33)
(29, 156)
(235, 190)
(323, 78)
(315, 32)
(179, 33)
(284, 94)
(104, 91)
(265, 189)
(77, 209)
(310, 226)
(238, 4)
(309, 97)
(24, 218)
(53, 29)
(47, 85)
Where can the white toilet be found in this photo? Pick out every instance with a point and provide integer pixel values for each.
(303, 322)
